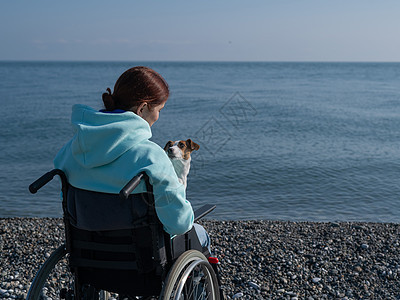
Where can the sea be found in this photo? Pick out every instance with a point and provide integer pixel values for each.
(296, 141)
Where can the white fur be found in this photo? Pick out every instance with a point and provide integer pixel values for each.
(181, 165)
(176, 151)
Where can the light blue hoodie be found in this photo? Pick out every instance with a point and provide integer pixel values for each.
(108, 149)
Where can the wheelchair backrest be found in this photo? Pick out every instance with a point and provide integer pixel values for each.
(109, 238)
(96, 211)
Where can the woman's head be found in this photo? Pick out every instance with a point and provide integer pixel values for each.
(141, 90)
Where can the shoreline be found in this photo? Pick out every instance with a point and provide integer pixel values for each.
(259, 259)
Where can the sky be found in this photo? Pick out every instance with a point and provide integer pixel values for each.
(225, 30)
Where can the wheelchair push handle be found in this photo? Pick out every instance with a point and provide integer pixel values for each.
(130, 186)
(44, 179)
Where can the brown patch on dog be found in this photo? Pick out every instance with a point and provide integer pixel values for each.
(189, 147)
(167, 145)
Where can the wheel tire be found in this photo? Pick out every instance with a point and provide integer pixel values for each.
(184, 265)
(42, 275)
(40, 278)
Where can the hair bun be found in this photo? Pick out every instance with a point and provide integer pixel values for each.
(108, 100)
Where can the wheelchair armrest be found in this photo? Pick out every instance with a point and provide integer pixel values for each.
(202, 211)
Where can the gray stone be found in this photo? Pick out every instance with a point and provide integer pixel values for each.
(254, 285)
(364, 246)
(237, 295)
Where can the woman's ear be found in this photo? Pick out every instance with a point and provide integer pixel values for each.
(140, 108)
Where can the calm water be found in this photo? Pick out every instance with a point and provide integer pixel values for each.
(287, 141)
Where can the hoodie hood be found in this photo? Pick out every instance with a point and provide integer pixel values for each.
(101, 138)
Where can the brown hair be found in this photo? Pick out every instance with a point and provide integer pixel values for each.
(135, 86)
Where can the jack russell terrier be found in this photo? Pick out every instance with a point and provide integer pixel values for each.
(179, 154)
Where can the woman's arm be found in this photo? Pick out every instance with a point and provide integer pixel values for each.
(173, 210)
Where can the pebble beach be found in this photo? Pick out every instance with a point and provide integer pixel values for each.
(258, 259)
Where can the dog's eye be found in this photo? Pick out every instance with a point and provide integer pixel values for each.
(181, 145)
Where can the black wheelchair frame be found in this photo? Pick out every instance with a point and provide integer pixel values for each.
(123, 248)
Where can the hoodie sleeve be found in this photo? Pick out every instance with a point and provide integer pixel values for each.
(173, 210)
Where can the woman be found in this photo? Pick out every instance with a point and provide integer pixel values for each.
(112, 145)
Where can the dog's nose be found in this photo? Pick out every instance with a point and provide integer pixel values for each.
(169, 150)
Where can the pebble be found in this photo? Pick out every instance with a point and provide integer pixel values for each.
(364, 246)
(254, 285)
(258, 259)
(237, 295)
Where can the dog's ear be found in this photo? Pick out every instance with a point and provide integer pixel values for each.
(192, 145)
(167, 145)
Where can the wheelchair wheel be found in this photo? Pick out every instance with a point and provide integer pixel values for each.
(44, 279)
(191, 278)
(50, 284)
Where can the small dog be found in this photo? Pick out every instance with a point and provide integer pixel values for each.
(179, 154)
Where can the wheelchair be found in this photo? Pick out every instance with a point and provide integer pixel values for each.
(116, 248)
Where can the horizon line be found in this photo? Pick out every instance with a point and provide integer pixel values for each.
(192, 61)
